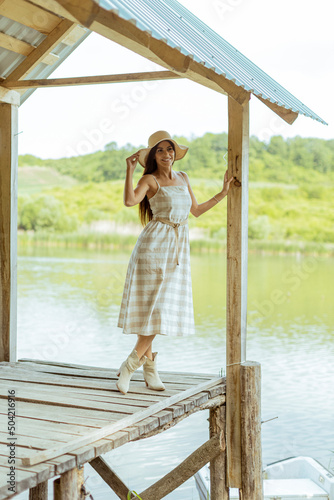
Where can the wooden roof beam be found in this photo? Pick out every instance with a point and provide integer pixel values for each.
(84, 11)
(43, 50)
(91, 80)
(29, 15)
(18, 46)
(286, 114)
(108, 24)
(75, 35)
(52, 7)
(111, 26)
(127, 34)
(9, 96)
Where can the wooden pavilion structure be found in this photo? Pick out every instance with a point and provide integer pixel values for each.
(35, 37)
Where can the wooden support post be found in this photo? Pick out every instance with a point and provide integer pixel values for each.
(251, 452)
(39, 492)
(8, 230)
(218, 485)
(193, 463)
(68, 485)
(82, 492)
(236, 293)
(110, 477)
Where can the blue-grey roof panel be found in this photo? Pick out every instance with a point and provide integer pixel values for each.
(168, 20)
(9, 60)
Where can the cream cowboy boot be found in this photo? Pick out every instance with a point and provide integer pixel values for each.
(126, 370)
(151, 375)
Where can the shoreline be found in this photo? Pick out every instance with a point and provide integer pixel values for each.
(114, 241)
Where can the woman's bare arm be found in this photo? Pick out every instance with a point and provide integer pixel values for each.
(132, 196)
(198, 209)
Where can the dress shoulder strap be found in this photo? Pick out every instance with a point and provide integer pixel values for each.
(156, 181)
(185, 182)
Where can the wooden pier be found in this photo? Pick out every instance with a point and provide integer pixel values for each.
(62, 410)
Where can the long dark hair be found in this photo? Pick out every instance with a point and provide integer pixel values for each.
(145, 212)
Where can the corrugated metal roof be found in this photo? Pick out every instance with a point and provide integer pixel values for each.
(10, 60)
(169, 21)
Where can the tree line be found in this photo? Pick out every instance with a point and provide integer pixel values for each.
(290, 196)
(279, 160)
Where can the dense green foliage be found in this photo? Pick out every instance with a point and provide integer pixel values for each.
(290, 195)
(44, 212)
(280, 160)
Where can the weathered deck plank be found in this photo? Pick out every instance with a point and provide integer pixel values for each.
(99, 368)
(57, 403)
(110, 374)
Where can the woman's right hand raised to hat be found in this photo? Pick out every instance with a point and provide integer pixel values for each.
(131, 161)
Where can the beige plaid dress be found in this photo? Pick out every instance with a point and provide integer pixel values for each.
(157, 295)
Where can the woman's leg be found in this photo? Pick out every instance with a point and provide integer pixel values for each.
(151, 376)
(141, 355)
(144, 345)
(148, 353)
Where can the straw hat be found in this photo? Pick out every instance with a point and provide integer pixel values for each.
(154, 139)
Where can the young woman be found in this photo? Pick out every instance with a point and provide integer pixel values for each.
(157, 296)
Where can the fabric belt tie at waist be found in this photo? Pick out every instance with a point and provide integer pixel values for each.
(176, 226)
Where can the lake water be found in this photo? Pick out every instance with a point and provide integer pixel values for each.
(68, 303)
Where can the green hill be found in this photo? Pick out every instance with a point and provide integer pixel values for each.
(291, 195)
(33, 179)
(286, 161)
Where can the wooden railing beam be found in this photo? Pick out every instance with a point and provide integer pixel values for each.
(192, 464)
(110, 477)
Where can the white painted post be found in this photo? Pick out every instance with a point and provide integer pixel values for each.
(8, 230)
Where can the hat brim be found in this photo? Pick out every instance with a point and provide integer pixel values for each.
(180, 151)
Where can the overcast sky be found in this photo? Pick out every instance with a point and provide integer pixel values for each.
(291, 40)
